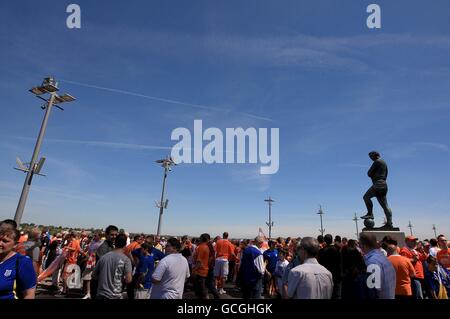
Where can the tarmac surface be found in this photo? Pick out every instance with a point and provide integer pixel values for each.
(44, 291)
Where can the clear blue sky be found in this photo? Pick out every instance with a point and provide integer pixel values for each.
(334, 88)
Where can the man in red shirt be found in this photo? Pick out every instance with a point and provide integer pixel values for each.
(416, 258)
(224, 251)
(443, 256)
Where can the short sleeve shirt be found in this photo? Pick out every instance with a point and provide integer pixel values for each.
(146, 266)
(110, 271)
(16, 268)
(171, 272)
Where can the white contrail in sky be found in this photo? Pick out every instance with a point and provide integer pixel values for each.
(117, 145)
(105, 144)
(159, 99)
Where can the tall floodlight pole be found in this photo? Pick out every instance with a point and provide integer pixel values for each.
(270, 222)
(410, 228)
(434, 229)
(166, 164)
(322, 230)
(355, 219)
(49, 86)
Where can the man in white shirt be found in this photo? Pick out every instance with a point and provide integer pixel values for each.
(310, 280)
(171, 273)
(434, 249)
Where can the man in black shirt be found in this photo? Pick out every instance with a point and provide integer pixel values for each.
(330, 257)
(378, 172)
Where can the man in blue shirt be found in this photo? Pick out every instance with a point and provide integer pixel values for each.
(156, 253)
(252, 270)
(144, 271)
(270, 259)
(378, 264)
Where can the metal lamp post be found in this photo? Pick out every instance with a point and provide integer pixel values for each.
(410, 226)
(48, 86)
(270, 222)
(355, 219)
(322, 230)
(166, 164)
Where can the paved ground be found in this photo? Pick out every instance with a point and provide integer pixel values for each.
(43, 292)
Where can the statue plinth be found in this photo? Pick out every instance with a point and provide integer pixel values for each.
(381, 229)
(381, 232)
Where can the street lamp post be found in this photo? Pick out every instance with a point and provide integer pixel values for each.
(322, 230)
(355, 219)
(410, 226)
(49, 86)
(166, 164)
(270, 223)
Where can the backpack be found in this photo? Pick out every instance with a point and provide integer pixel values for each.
(17, 294)
(29, 250)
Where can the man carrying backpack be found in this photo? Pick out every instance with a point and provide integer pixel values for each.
(33, 248)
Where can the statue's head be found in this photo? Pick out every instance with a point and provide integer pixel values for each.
(374, 155)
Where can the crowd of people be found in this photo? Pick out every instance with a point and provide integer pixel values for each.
(115, 265)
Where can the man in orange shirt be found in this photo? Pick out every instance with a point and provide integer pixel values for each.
(416, 258)
(200, 267)
(74, 249)
(443, 256)
(404, 271)
(224, 251)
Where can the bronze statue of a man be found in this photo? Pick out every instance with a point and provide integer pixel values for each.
(378, 172)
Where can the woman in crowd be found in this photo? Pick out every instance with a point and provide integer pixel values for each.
(437, 279)
(16, 271)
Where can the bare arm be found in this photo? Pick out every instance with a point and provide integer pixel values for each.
(284, 293)
(128, 278)
(29, 293)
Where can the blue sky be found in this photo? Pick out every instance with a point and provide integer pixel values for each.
(334, 88)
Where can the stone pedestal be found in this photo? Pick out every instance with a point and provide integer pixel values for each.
(397, 235)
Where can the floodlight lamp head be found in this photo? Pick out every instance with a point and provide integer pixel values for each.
(50, 81)
(64, 98)
(172, 162)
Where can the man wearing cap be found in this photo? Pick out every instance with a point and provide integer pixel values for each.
(416, 257)
(378, 172)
